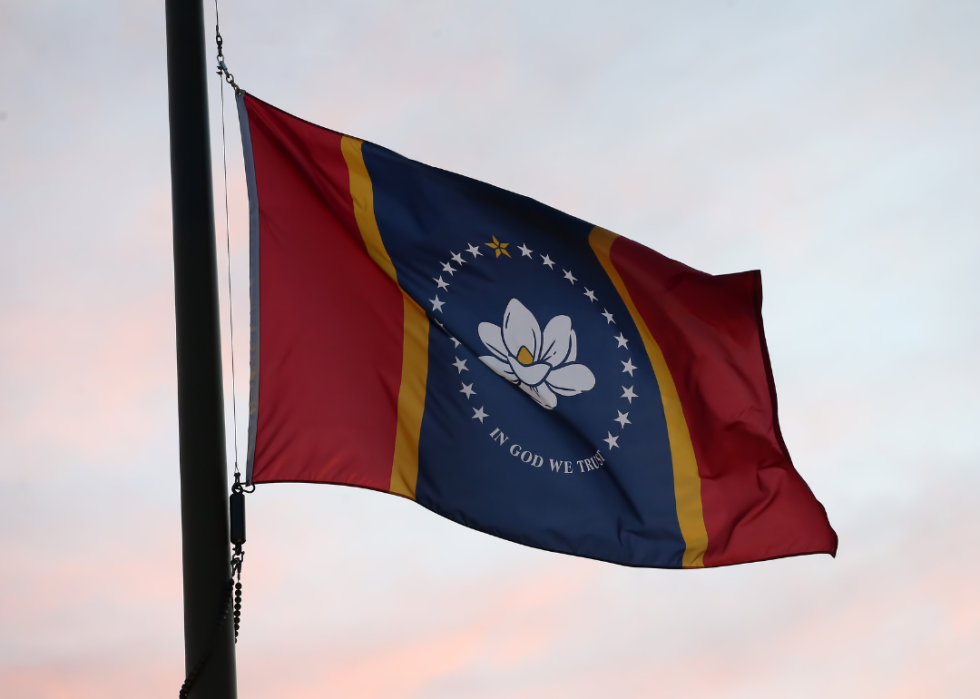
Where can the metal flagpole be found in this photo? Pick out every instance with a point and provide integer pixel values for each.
(208, 631)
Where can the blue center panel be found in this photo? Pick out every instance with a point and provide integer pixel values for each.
(576, 479)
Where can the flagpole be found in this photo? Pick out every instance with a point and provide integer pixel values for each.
(203, 475)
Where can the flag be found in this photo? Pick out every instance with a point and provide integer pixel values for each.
(505, 365)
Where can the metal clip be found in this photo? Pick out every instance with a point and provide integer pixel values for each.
(222, 68)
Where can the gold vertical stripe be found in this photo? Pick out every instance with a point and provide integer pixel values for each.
(687, 481)
(415, 348)
(411, 400)
(362, 192)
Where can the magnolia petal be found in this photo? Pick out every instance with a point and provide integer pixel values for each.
(533, 374)
(573, 349)
(490, 334)
(571, 379)
(520, 329)
(557, 340)
(542, 395)
(502, 368)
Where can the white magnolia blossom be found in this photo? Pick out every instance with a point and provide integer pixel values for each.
(542, 365)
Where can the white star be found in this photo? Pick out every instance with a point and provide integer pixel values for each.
(440, 283)
(457, 258)
(439, 322)
(437, 304)
(590, 294)
(474, 251)
(460, 365)
(628, 394)
(623, 419)
(611, 441)
(478, 414)
(568, 276)
(622, 341)
(628, 366)
(456, 343)
(468, 390)
(446, 267)
(525, 250)
(547, 261)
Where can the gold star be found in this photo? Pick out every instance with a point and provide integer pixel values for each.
(498, 246)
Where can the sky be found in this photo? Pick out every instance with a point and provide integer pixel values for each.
(832, 145)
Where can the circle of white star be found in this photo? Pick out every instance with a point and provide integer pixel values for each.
(467, 389)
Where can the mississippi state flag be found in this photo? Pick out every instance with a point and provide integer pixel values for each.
(505, 365)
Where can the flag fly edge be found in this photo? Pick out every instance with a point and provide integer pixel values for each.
(687, 480)
(415, 352)
(253, 282)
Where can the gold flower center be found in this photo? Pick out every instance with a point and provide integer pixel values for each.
(525, 357)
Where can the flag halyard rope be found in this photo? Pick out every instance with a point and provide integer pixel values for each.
(195, 672)
(224, 165)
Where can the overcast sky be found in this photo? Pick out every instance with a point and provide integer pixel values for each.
(833, 145)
